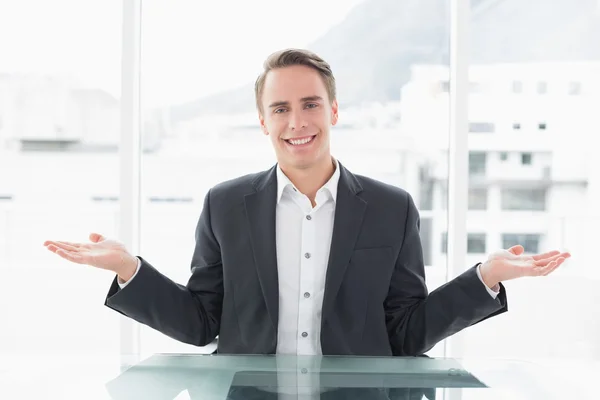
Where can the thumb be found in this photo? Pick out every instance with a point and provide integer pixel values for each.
(96, 237)
(517, 250)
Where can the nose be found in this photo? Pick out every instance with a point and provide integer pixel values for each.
(297, 121)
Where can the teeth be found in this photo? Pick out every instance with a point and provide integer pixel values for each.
(299, 142)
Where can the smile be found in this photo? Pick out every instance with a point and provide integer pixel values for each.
(301, 141)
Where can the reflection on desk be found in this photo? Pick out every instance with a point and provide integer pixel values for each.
(305, 377)
(221, 377)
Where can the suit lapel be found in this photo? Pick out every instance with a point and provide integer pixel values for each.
(349, 213)
(260, 212)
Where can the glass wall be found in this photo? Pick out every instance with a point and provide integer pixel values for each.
(537, 65)
(59, 135)
(533, 175)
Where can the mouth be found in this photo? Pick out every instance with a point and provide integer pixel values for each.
(300, 142)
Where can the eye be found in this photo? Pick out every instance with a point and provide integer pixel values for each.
(312, 105)
(279, 110)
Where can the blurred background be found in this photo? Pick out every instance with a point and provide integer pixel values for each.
(533, 176)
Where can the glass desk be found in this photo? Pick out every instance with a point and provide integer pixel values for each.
(221, 377)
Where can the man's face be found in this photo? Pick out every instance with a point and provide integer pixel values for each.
(297, 115)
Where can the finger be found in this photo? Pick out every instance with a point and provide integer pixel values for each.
(547, 269)
(63, 246)
(545, 261)
(545, 255)
(75, 245)
(552, 266)
(73, 257)
(517, 250)
(52, 248)
(542, 271)
(96, 237)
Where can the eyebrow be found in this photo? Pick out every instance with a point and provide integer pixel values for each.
(287, 103)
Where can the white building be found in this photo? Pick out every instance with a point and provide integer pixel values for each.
(534, 179)
(56, 113)
(534, 176)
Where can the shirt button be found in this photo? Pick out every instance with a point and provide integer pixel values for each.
(304, 334)
(306, 255)
(307, 295)
(308, 217)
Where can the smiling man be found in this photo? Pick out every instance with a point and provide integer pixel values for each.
(306, 257)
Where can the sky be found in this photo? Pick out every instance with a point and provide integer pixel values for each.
(190, 48)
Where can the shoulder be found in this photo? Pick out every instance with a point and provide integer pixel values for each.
(235, 189)
(374, 189)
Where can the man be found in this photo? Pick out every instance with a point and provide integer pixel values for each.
(306, 258)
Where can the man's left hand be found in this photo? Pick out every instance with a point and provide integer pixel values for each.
(510, 264)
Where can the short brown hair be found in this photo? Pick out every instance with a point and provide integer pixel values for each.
(289, 57)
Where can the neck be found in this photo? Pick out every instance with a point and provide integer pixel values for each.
(309, 180)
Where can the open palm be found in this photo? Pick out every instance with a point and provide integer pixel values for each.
(510, 264)
(100, 253)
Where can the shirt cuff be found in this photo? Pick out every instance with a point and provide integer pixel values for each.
(123, 284)
(493, 291)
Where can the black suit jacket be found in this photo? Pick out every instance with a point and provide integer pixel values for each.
(375, 301)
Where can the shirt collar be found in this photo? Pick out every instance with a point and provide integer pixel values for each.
(332, 184)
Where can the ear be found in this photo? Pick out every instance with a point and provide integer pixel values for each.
(263, 126)
(334, 112)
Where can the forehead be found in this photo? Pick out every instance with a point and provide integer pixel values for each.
(292, 83)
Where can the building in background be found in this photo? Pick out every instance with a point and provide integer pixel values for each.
(533, 171)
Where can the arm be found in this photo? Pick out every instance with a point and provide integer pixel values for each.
(417, 321)
(191, 313)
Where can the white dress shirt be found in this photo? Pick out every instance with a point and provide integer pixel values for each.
(303, 235)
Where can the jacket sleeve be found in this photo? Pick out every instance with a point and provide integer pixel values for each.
(417, 321)
(191, 313)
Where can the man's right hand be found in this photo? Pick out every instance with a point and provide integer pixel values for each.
(100, 253)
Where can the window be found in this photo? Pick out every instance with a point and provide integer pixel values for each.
(425, 233)
(503, 156)
(482, 127)
(517, 87)
(526, 158)
(477, 163)
(523, 199)
(529, 241)
(506, 49)
(157, 199)
(105, 199)
(542, 87)
(478, 198)
(445, 86)
(427, 187)
(59, 101)
(194, 121)
(444, 248)
(476, 243)
(574, 88)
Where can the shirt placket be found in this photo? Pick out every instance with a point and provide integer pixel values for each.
(306, 331)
